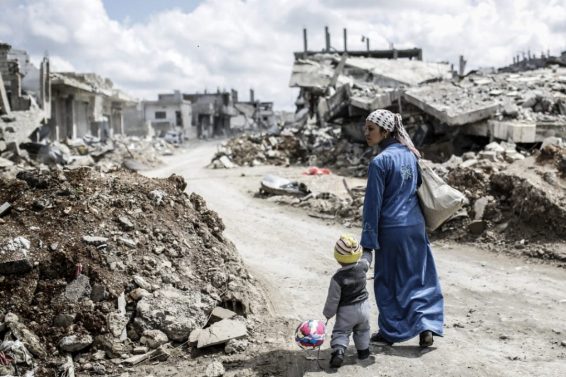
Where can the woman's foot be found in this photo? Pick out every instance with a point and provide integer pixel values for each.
(378, 338)
(426, 339)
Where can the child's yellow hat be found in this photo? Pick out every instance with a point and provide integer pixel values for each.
(347, 249)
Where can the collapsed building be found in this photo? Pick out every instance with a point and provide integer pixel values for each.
(496, 136)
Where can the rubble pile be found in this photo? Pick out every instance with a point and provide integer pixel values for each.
(132, 153)
(515, 202)
(297, 144)
(257, 149)
(113, 269)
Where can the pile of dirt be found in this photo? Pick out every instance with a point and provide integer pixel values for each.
(106, 266)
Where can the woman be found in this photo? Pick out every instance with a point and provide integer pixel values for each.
(406, 285)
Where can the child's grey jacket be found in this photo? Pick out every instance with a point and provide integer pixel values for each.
(348, 285)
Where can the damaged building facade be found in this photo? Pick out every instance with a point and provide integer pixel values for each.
(171, 112)
(85, 104)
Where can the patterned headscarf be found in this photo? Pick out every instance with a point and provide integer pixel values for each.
(393, 123)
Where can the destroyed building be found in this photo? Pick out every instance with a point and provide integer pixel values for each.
(25, 96)
(212, 112)
(341, 88)
(253, 115)
(171, 112)
(85, 104)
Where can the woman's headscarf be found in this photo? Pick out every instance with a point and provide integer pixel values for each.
(393, 123)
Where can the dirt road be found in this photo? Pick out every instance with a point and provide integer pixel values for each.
(504, 316)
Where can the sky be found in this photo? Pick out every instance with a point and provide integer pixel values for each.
(153, 46)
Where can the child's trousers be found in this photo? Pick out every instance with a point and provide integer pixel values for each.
(352, 318)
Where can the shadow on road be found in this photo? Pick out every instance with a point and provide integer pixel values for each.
(296, 363)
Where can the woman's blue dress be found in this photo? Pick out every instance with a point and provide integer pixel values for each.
(406, 284)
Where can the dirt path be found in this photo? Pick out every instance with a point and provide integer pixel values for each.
(504, 316)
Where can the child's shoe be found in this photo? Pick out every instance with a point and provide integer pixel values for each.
(363, 354)
(337, 357)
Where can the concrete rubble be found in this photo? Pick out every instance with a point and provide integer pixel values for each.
(85, 293)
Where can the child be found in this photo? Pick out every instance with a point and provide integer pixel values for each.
(348, 300)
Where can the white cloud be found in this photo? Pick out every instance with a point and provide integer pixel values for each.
(243, 44)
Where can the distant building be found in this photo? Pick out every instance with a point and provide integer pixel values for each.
(85, 104)
(170, 112)
(212, 112)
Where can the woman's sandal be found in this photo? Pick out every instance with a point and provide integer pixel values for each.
(378, 338)
(426, 339)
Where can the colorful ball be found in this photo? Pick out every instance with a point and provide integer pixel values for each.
(310, 334)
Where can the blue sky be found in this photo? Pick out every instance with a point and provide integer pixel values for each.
(148, 46)
(142, 10)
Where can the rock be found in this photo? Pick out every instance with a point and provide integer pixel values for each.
(64, 319)
(215, 369)
(24, 335)
(5, 208)
(77, 289)
(116, 323)
(140, 282)
(98, 369)
(14, 257)
(477, 227)
(139, 293)
(226, 163)
(127, 242)
(96, 241)
(140, 350)
(174, 312)
(513, 156)
(7, 370)
(469, 163)
(488, 155)
(18, 266)
(494, 147)
(153, 338)
(11, 318)
(74, 343)
(126, 223)
(98, 293)
(221, 332)
(468, 156)
(236, 346)
(193, 337)
(111, 347)
(479, 207)
(157, 196)
(563, 343)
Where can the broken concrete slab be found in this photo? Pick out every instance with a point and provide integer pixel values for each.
(75, 343)
(221, 332)
(14, 258)
(221, 313)
(461, 110)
